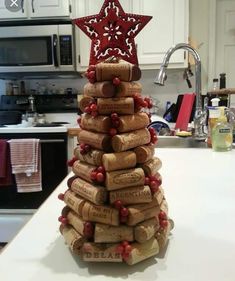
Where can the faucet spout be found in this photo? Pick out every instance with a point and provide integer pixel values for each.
(198, 122)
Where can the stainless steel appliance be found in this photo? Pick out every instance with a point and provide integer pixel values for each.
(37, 48)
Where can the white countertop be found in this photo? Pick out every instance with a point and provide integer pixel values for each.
(31, 130)
(200, 189)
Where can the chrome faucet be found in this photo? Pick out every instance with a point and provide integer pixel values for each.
(32, 103)
(199, 116)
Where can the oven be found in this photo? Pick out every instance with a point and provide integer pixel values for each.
(16, 208)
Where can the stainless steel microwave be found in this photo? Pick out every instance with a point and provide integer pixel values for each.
(37, 48)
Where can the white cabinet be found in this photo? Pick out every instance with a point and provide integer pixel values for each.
(30, 9)
(168, 26)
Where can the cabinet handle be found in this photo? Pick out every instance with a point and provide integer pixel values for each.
(32, 4)
(22, 6)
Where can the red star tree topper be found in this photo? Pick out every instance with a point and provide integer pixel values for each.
(112, 32)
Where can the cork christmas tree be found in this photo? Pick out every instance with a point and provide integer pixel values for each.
(115, 208)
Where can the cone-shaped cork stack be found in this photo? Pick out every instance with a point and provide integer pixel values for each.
(115, 206)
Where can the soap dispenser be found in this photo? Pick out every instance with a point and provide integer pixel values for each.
(214, 113)
(222, 133)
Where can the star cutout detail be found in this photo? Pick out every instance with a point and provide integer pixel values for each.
(112, 32)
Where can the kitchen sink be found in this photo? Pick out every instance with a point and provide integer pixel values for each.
(180, 142)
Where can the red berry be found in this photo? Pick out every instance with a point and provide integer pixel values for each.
(79, 120)
(152, 178)
(91, 74)
(163, 223)
(92, 81)
(116, 81)
(114, 116)
(113, 132)
(93, 107)
(101, 169)
(128, 249)
(82, 151)
(147, 99)
(152, 131)
(144, 104)
(100, 177)
(124, 212)
(154, 139)
(64, 220)
(61, 196)
(87, 109)
(154, 189)
(91, 68)
(153, 184)
(125, 243)
(162, 215)
(82, 145)
(93, 175)
(87, 147)
(118, 204)
(147, 181)
(88, 229)
(119, 249)
(150, 105)
(60, 218)
(125, 256)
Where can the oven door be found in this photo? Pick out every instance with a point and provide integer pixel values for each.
(54, 169)
(38, 48)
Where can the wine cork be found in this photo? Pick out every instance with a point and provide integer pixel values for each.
(113, 234)
(131, 195)
(162, 235)
(95, 194)
(142, 251)
(100, 124)
(76, 222)
(84, 101)
(124, 71)
(93, 252)
(133, 122)
(74, 240)
(117, 105)
(144, 153)
(119, 160)
(152, 166)
(102, 214)
(130, 140)
(142, 212)
(128, 89)
(74, 202)
(93, 156)
(158, 196)
(124, 178)
(104, 89)
(146, 230)
(95, 140)
(83, 170)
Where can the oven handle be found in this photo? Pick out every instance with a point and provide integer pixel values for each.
(52, 141)
(55, 44)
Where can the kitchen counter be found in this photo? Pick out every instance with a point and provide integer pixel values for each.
(15, 129)
(200, 189)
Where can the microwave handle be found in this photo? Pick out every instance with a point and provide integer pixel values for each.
(32, 5)
(55, 53)
(22, 6)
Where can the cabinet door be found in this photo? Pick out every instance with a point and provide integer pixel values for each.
(83, 43)
(168, 27)
(8, 14)
(48, 8)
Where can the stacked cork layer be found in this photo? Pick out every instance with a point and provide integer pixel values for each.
(115, 206)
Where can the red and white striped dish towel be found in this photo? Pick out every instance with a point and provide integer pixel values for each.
(26, 164)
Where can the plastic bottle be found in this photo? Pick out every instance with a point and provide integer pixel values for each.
(222, 134)
(214, 114)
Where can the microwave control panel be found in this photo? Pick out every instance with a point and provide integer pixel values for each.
(66, 57)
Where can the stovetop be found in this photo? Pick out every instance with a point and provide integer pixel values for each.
(43, 103)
